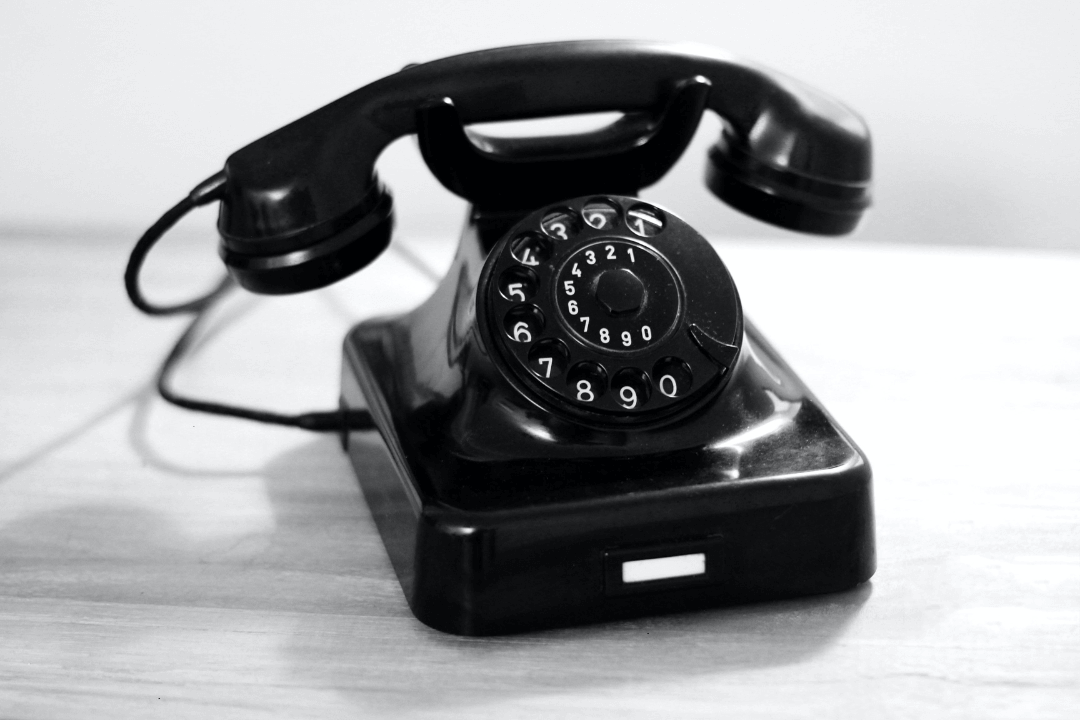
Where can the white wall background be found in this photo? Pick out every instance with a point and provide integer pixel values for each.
(110, 111)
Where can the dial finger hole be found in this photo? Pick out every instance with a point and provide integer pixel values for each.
(645, 220)
(587, 381)
(530, 249)
(548, 358)
(518, 284)
(673, 377)
(561, 224)
(600, 214)
(631, 388)
(524, 323)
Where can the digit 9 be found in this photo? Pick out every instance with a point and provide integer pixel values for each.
(631, 387)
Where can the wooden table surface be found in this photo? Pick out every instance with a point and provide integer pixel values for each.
(160, 563)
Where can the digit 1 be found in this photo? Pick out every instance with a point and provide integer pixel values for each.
(631, 251)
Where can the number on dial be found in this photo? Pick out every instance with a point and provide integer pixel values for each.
(548, 358)
(631, 386)
(518, 283)
(523, 323)
(561, 224)
(673, 377)
(599, 214)
(586, 381)
(530, 249)
(644, 220)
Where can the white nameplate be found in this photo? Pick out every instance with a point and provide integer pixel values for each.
(661, 568)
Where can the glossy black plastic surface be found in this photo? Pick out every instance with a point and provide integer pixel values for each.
(297, 264)
(501, 514)
(295, 199)
(521, 173)
(611, 308)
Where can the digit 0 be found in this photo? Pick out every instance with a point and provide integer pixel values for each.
(674, 377)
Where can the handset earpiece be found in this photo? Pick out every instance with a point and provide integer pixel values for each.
(302, 207)
(799, 160)
(319, 254)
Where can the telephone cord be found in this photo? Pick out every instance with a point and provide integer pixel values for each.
(339, 421)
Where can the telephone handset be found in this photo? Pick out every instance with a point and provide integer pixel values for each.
(302, 207)
(579, 424)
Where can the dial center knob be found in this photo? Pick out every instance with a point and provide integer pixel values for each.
(620, 292)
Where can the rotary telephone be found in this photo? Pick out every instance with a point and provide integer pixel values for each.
(579, 424)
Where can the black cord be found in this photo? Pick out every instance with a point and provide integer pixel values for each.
(325, 421)
(206, 191)
(339, 421)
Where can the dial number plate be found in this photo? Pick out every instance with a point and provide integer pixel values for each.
(617, 295)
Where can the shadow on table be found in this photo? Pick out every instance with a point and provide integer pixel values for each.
(357, 635)
(320, 566)
(384, 659)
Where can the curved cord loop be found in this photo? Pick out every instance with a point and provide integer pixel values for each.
(207, 191)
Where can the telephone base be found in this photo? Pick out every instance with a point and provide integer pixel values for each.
(500, 517)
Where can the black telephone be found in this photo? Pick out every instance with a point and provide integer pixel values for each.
(579, 424)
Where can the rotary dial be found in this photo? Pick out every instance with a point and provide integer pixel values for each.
(612, 306)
